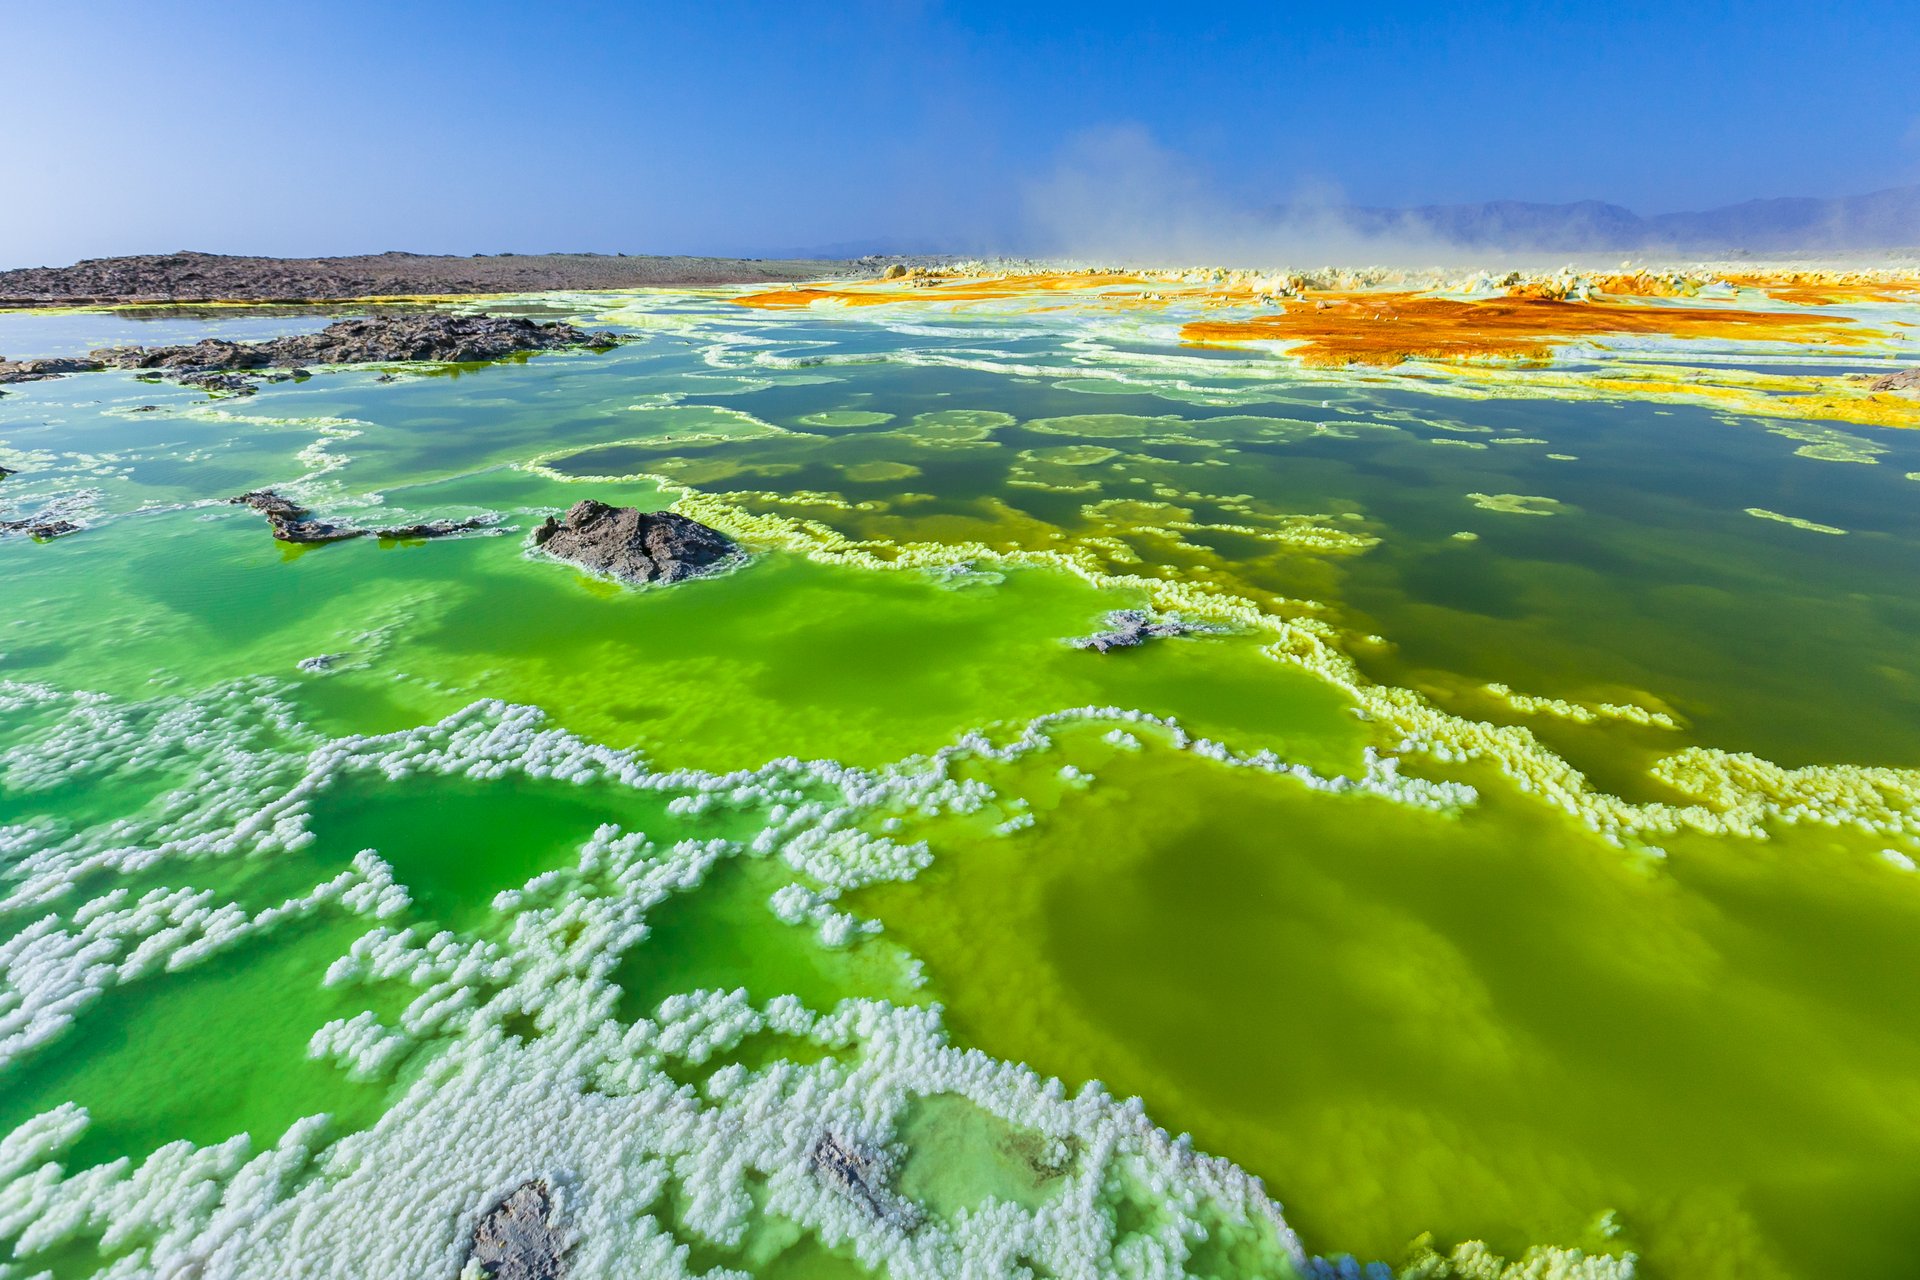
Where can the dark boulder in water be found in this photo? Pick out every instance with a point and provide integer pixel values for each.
(219, 384)
(432, 528)
(36, 370)
(270, 504)
(41, 527)
(636, 546)
(521, 1238)
(293, 523)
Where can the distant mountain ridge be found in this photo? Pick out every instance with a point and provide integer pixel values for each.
(1888, 219)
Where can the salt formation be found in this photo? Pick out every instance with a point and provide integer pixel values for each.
(491, 1113)
(1418, 728)
(589, 1107)
(1129, 627)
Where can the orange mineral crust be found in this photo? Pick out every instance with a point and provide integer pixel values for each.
(1828, 288)
(1388, 328)
(930, 287)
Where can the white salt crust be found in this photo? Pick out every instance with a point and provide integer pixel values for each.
(1737, 795)
(589, 1104)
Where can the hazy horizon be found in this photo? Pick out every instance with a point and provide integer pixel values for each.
(974, 128)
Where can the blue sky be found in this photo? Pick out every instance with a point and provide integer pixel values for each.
(729, 127)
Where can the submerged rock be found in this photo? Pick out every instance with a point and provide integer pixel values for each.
(521, 1238)
(230, 384)
(42, 527)
(1129, 627)
(636, 546)
(432, 528)
(293, 523)
(53, 519)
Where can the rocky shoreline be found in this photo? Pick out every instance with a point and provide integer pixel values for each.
(221, 366)
(215, 277)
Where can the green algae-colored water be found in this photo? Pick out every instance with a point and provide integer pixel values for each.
(1497, 1011)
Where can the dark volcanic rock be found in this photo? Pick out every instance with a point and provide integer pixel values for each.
(222, 367)
(1129, 627)
(636, 546)
(48, 522)
(521, 1238)
(39, 527)
(292, 522)
(270, 504)
(433, 528)
(230, 384)
(52, 367)
(428, 335)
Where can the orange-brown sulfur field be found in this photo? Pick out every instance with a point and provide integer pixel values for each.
(1389, 328)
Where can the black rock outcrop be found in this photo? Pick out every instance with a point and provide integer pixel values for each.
(219, 384)
(223, 367)
(293, 523)
(49, 522)
(51, 367)
(436, 336)
(521, 1238)
(42, 527)
(636, 546)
